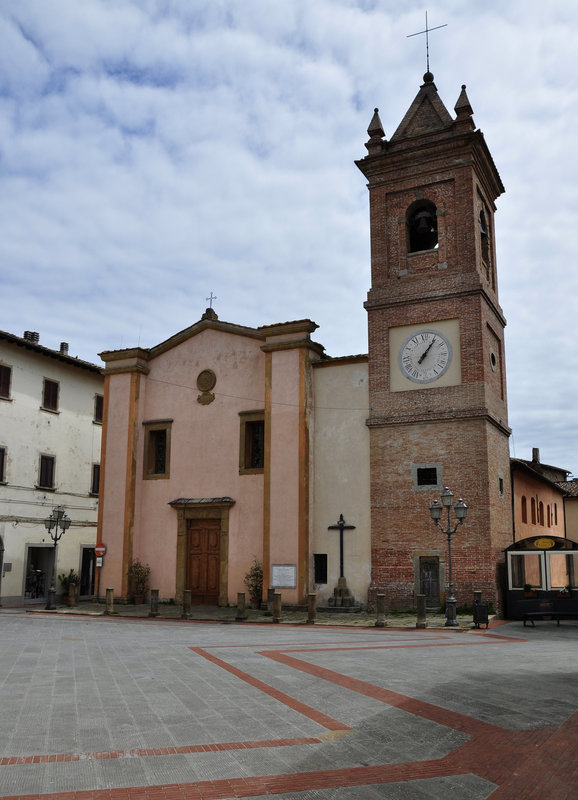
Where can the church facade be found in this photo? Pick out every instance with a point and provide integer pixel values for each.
(215, 444)
(228, 444)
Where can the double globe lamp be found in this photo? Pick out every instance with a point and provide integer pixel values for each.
(56, 524)
(460, 510)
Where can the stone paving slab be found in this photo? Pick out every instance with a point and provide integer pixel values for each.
(101, 708)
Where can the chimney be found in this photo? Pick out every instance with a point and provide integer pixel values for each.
(32, 336)
(536, 455)
(64, 348)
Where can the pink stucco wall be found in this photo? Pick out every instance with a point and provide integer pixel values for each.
(113, 486)
(285, 462)
(204, 456)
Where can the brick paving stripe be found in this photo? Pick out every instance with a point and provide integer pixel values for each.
(216, 712)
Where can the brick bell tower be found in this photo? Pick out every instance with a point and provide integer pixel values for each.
(437, 379)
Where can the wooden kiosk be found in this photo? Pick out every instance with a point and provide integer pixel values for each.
(542, 573)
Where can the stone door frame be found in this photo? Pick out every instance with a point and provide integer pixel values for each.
(216, 508)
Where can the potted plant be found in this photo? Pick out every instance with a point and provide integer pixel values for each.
(529, 590)
(138, 575)
(69, 584)
(565, 592)
(254, 583)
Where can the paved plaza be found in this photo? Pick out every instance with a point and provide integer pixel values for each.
(101, 708)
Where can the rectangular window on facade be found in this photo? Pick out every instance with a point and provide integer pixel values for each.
(320, 567)
(50, 395)
(98, 407)
(252, 445)
(46, 474)
(157, 449)
(95, 483)
(2, 465)
(5, 380)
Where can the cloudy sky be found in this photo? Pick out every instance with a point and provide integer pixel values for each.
(155, 151)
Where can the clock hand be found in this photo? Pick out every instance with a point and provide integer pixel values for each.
(426, 351)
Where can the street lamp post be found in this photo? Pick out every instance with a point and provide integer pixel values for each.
(56, 524)
(460, 510)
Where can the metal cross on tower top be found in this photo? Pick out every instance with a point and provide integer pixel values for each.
(427, 32)
(210, 299)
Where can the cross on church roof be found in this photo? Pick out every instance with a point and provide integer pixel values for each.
(210, 299)
(426, 31)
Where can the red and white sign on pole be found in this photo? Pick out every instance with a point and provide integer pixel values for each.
(99, 549)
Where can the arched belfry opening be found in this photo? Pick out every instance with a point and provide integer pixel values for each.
(484, 238)
(422, 226)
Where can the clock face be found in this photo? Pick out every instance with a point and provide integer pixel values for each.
(425, 356)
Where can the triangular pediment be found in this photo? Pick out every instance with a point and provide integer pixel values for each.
(427, 114)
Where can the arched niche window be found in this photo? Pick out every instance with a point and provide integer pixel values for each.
(524, 509)
(485, 239)
(533, 506)
(541, 513)
(422, 226)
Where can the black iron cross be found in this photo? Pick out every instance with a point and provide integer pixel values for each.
(427, 32)
(210, 299)
(341, 526)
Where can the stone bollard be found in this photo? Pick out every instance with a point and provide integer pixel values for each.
(270, 597)
(72, 593)
(421, 618)
(154, 612)
(109, 601)
(186, 612)
(380, 604)
(241, 607)
(311, 608)
(277, 607)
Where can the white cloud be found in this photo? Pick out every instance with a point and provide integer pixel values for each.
(152, 151)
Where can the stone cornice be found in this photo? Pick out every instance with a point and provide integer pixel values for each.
(451, 415)
(341, 361)
(293, 345)
(383, 298)
(288, 328)
(184, 502)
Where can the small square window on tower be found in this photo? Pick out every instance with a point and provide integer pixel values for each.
(426, 476)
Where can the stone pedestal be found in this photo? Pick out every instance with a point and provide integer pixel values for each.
(342, 597)
(380, 621)
(241, 607)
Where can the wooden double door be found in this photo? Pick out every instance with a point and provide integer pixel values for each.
(204, 561)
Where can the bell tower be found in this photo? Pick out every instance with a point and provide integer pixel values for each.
(437, 381)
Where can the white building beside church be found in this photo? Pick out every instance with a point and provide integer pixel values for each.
(50, 434)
